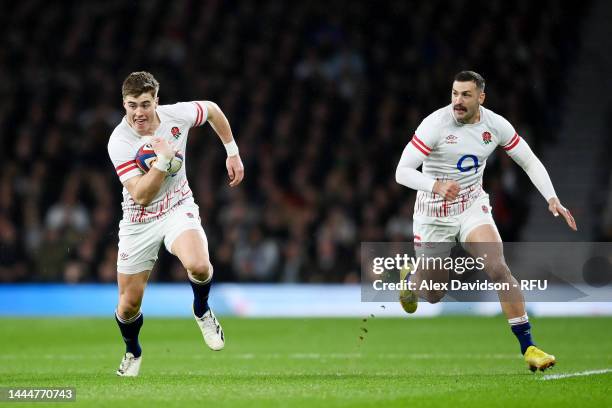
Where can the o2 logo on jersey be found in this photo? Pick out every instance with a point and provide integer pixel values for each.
(472, 163)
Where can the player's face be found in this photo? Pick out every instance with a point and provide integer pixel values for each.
(466, 100)
(140, 111)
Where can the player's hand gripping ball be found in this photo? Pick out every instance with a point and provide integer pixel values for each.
(145, 158)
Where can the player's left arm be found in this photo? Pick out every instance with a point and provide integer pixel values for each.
(207, 111)
(521, 153)
(220, 124)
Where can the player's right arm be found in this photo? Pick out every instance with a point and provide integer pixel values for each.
(414, 155)
(407, 175)
(142, 187)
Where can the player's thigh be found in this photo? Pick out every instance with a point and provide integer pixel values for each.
(478, 232)
(138, 247)
(186, 238)
(483, 241)
(434, 239)
(191, 248)
(476, 224)
(435, 229)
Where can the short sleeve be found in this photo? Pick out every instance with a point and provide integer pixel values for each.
(426, 135)
(123, 155)
(193, 113)
(508, 138)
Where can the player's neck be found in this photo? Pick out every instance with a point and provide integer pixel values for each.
(476, 118)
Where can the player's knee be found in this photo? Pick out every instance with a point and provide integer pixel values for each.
(128, 307)
(499, 272)
(201, 271)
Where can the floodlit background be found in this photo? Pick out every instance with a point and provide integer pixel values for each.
(322, 97)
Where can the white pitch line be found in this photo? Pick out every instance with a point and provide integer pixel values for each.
(580, 374)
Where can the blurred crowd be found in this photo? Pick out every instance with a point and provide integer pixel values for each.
(603, 196)
(322, 98)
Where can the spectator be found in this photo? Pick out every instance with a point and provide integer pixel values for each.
(257, 259)
(322, 96)
(12, 255)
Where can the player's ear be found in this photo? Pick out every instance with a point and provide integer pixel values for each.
(481, 98)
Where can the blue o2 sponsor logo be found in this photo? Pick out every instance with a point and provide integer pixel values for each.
(467, 163)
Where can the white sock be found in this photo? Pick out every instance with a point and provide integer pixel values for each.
(515, 321)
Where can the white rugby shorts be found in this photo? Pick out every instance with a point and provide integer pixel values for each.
(139, 243)
(431, 230)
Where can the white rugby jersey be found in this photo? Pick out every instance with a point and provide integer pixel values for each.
(455, 151)
(176, 120)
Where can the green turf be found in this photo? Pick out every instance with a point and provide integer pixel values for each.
(439, 362)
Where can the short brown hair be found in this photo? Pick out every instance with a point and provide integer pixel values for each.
(471, 76)
(138, 83)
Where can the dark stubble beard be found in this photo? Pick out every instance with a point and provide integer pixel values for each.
(466, 118)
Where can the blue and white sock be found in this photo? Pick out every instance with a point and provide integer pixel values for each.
(200, 295)
(130, 330)
(522, 330)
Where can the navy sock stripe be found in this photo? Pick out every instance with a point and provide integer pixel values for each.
(200, 297)
(130, 332)
(523, 334)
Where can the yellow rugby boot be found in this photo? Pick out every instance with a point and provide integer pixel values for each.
(408, 298)
(538, 360)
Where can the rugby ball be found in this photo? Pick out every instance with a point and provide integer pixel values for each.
(145, 158)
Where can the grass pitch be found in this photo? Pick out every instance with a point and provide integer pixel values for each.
(408, 362)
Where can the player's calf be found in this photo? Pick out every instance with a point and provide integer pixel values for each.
(512, 301)
(131, 292)
(201, 282)
(429, 284)
(498, 271)
(432, 296)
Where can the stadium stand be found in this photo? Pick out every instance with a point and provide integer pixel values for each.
(322, 97)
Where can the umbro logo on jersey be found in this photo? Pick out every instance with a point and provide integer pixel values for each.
(486, 137)
(189, 215)
(485, 209)
(176, 132)
(451, 139)
(123, 256)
